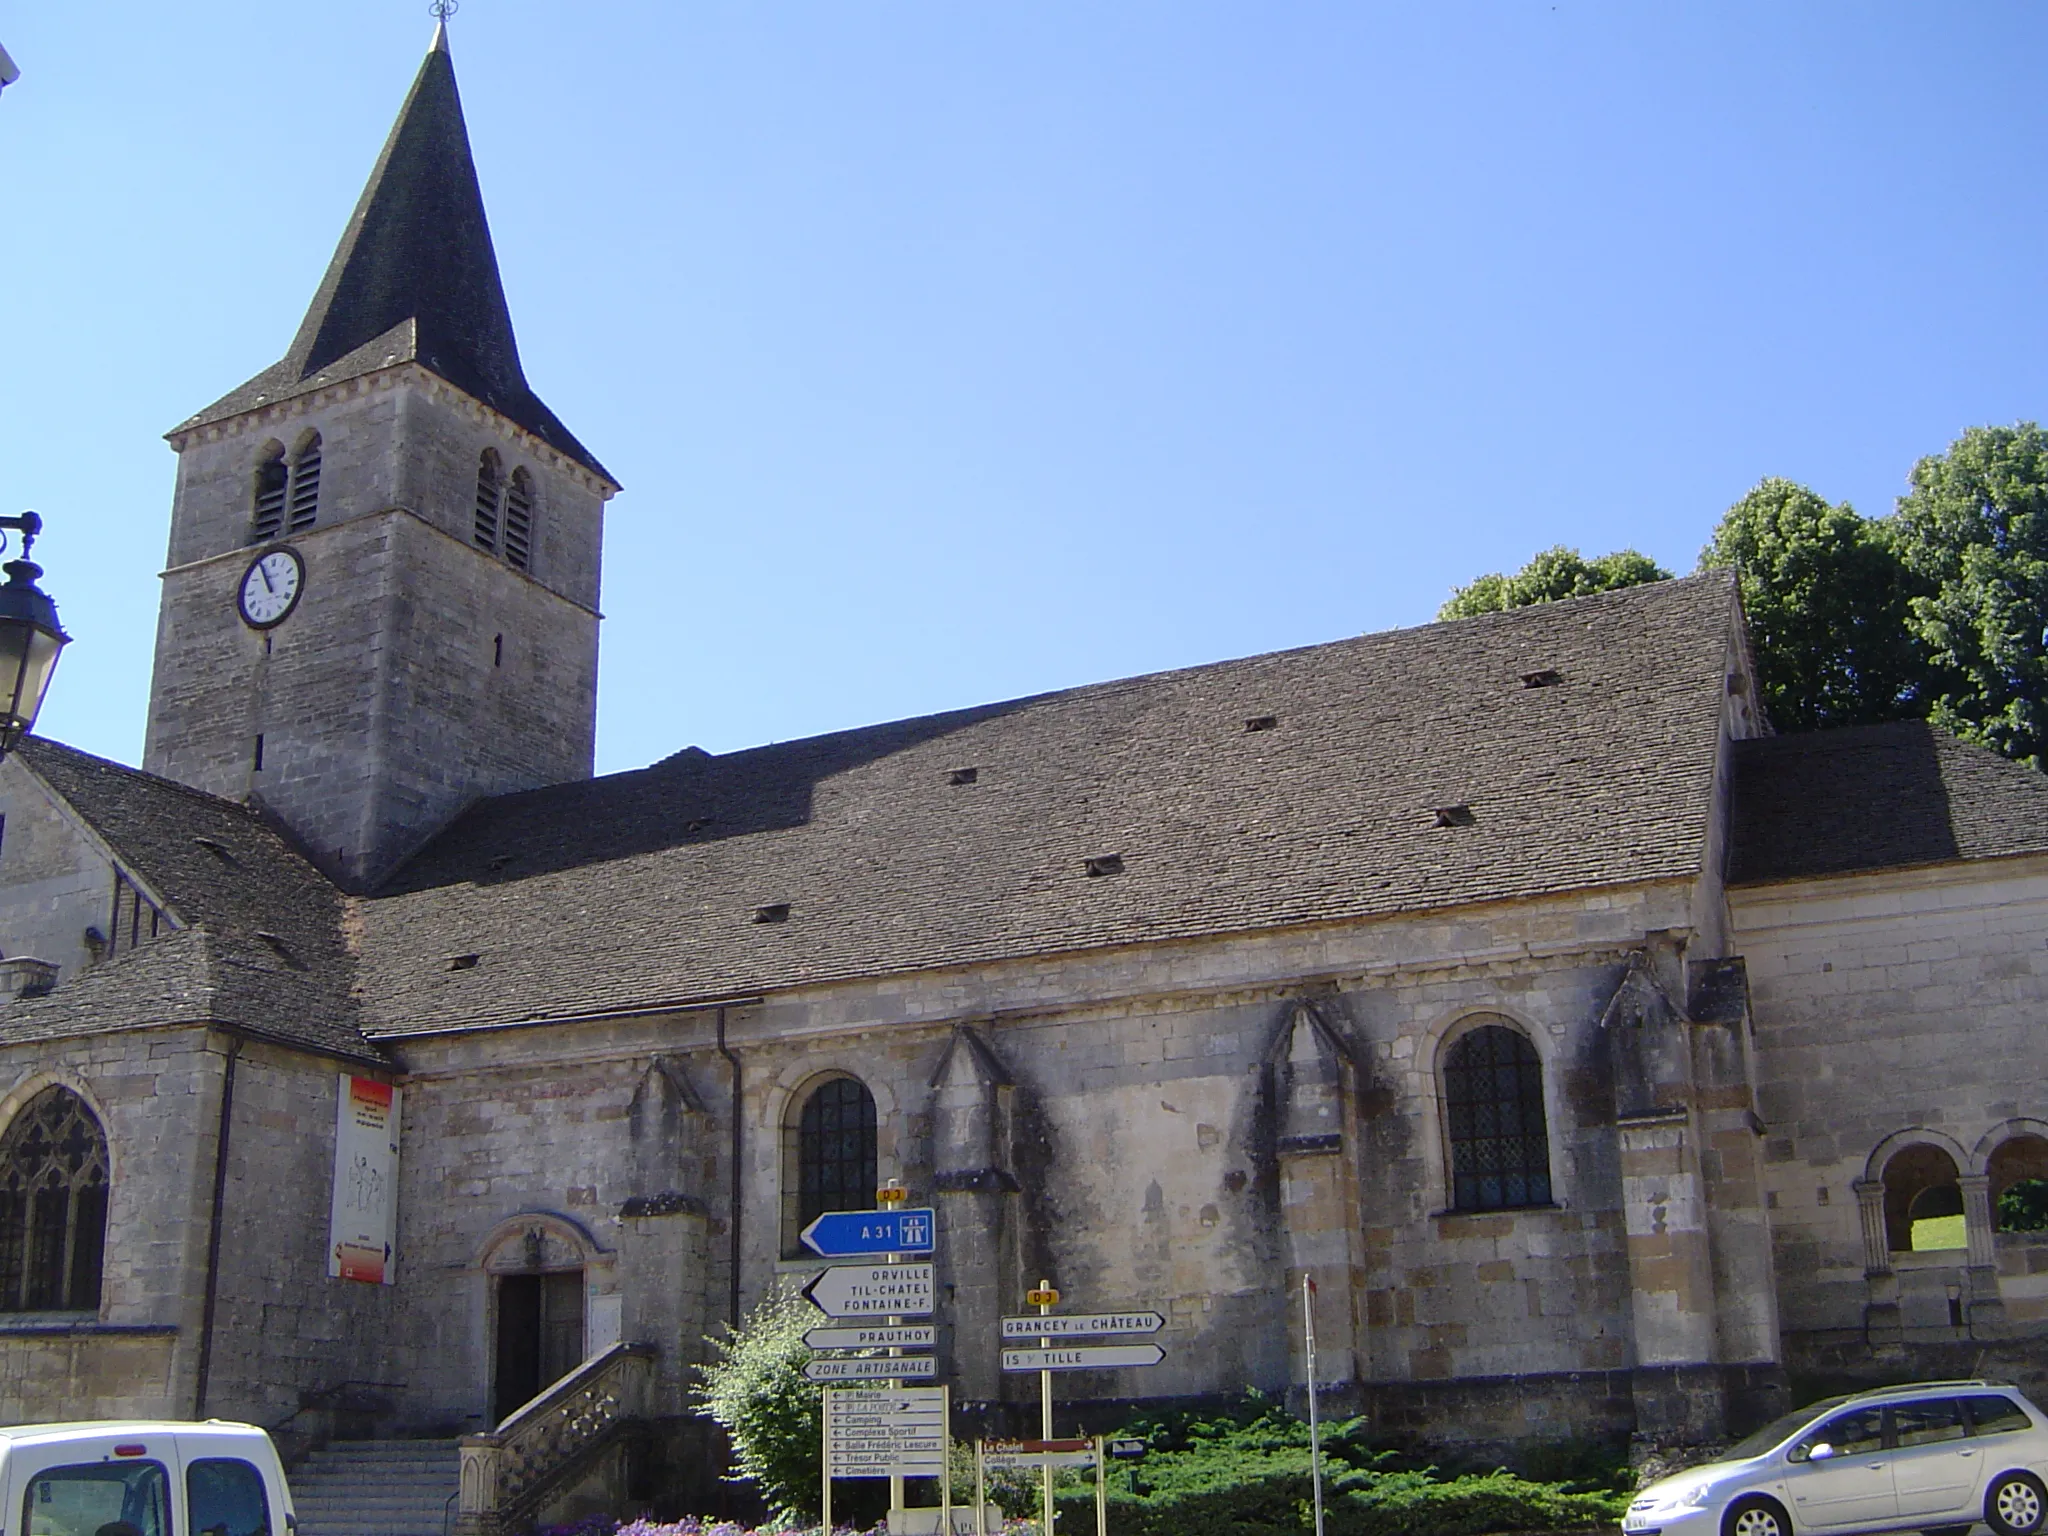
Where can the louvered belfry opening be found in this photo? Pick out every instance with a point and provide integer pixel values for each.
(53, 1206)
(1493, 1111)
(836, 1167)
(305, 494)
(266, 519)
(489, 487)
(519, 521)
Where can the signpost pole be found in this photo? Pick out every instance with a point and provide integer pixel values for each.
(980, 1491)
(1101, 1494)
(1315, 1437)
(825, 1411)
(1045, 1406)
(887, 1197)
(946, 1466)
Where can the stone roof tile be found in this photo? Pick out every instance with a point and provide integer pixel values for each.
(643, 888)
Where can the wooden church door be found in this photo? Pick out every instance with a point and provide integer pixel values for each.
(540, 1335)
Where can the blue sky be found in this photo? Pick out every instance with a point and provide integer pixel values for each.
(950, 353)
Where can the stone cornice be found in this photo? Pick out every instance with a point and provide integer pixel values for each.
(408, 374)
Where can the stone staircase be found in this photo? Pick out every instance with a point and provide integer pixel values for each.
(376, 1488)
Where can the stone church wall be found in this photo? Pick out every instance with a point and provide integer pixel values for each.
(1121, 1124)
(1900, 1010)
(55, 882)
(155, 1095)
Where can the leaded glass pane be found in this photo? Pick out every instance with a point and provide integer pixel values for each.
(1493, 1105)
(836, 1168)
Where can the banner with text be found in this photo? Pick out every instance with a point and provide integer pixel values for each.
(363, 1225)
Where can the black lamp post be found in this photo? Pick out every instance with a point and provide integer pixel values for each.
(30, 637)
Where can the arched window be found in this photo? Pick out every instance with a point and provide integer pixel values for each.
(489, 486)
(1493, 1116)
(1923, 1201)
(305, 495)
(2019, 1184)
(519, 521)
(266, 514)
(835, 1150)
(53, 1206)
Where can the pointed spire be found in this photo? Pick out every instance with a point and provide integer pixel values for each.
(415, 277)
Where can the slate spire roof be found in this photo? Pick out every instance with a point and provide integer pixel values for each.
(415, 278)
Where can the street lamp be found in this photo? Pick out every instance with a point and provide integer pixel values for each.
(30, 637)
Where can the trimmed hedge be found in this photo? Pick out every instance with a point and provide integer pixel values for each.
(1249, 1476)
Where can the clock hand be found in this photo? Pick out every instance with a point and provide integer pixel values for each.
(264, 571)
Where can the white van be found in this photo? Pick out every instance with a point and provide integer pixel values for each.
(118, 1477)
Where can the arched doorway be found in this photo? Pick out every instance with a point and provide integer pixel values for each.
(537, 1284)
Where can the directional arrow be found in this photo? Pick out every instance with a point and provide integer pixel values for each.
(1083, 1357)
(874, 1290)
(882, 1336)
(873, 1368)
(1082, 1323)
(855, 1234)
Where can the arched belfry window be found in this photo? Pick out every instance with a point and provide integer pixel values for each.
(519, 521)
(1493, 1118)
(835, 1150)
(266, 512)
(304, 504)
(53, 1206)
(490, 484)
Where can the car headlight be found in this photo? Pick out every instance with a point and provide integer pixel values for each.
(1680, 1496)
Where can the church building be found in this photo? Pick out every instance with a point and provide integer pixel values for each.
(1614, 1065)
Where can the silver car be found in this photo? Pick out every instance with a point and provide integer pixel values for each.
(1937, 1457)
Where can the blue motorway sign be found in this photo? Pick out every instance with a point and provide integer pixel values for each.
(855, 1234)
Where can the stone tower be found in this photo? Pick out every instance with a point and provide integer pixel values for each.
(381, 595)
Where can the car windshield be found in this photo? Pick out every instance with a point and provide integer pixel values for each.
(1778, 1430)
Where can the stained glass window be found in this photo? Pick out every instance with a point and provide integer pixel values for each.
(1493, 1102)
(53, 1206)
(836, 1150)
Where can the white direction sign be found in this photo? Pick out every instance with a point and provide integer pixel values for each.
(1017, 1455)
(1083, 1357)
(879, 1336)
(898, 1432)
(1082, 1324)
(874, 1290)
(872, 1368)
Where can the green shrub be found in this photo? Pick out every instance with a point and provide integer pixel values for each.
(756, 1392)
(1247, 1474)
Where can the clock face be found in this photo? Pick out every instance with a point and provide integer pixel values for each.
(270, 587)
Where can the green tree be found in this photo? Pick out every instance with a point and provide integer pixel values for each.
(1556, 573)
(1827, 601)
(756, 1392)
(1974, 531)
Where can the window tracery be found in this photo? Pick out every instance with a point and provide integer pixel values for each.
(53, 1206)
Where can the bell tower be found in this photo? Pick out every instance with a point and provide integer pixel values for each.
(381, 596)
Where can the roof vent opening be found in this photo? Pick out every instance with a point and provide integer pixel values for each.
(1107, 864)
(1549, 677)
(695, 825)
(1262, 722)
(217, 848)
(774, 912)
(280, 949)
(963, 776)
(463, 962)
(1453, 815)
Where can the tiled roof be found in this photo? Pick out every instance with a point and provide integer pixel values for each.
(274, 957)
(645, 887)
(1877, 797)
(414, 280)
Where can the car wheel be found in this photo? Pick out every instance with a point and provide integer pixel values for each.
(2016, 1504)
(1755, 1516)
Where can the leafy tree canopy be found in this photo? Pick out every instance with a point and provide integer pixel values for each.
(1827, 601)
(1554, 574)
(1974, 531)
